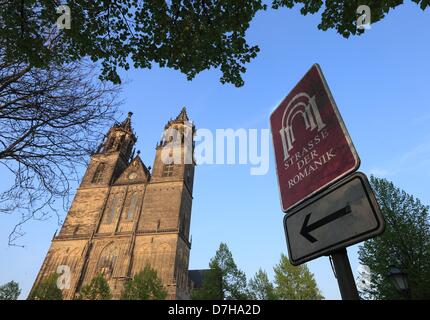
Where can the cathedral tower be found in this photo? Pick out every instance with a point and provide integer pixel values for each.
(124, 217)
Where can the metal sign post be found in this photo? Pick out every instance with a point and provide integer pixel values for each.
(345, 278)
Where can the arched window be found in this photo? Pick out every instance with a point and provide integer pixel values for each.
(111, 210)
(109, 144)
(120, 143)
(107, 260)
(98, 175)
(132, 208)
(188, 174)
(129, 147)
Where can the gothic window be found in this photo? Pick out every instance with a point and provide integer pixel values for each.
(110, 214)
(120, 143)
(182, 218)
(98, 175)
(188, 175)
(129, 147)
(107, 260)
(187, 220)
(132, 208)
(162, 260)
(168, 170)
(184, 223)
(110, 143)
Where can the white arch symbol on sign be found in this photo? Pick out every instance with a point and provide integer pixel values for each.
(308, 109)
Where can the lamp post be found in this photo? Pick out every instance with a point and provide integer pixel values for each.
(400, 281)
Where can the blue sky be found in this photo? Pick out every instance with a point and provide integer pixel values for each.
(380, 82)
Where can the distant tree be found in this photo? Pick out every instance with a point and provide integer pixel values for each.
(97, 289)
(405, 244)
(145, 285)
(260, 287)
(224, 280)
(342, 15)
(47, 289)
(233, 280)
(295, 283)
(10, 291)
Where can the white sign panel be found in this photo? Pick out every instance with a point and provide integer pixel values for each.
(343, 215)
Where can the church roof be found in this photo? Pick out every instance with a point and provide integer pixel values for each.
(197, 277)
(136, 172)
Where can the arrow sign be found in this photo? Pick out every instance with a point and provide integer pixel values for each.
(342, 215)
(306, 227)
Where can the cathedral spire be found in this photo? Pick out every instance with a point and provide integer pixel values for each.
(120, 138)
(181, 119)
(183, 116)
(126, 124)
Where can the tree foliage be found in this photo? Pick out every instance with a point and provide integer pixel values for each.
(224, 280)
(189, 36)
(295, 283)
(342, 15)
(186, 35)
(145, 285)
(233, 280)
(260, 287)
(97, 289)
(47, 289)
(404, 244)
(10, 291)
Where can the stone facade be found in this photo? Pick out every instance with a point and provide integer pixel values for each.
(124, 217)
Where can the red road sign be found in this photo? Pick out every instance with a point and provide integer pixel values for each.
(312, 147)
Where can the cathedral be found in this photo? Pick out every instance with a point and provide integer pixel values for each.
(126, 216)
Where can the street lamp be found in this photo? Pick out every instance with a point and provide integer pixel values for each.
(399, 279)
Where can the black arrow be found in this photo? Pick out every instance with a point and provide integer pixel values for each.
(304, 231)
